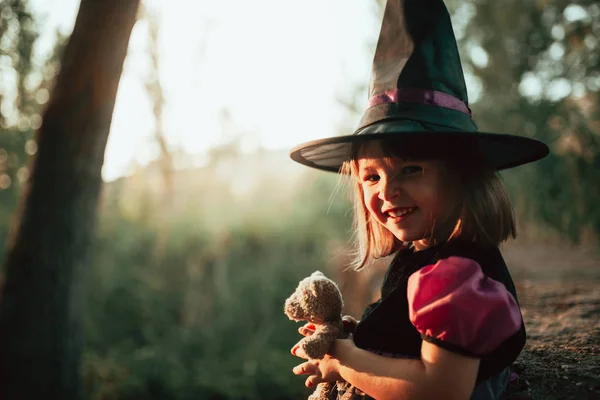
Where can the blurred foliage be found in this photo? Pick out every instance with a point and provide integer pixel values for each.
(199, 313)
(24, 89)
(538, 67)
(188, 278)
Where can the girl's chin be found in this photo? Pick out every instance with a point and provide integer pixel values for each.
(419, 241)
(420, 245)
(407, 237)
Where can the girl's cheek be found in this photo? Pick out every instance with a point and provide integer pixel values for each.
(368, 199)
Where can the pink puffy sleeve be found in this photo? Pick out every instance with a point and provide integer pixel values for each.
(453, 304)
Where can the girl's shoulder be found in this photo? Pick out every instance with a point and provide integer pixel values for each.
(471, 281)
(488, 258)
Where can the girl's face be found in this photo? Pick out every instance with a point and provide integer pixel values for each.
(412, 199)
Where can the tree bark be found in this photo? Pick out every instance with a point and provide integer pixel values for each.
(41, 332)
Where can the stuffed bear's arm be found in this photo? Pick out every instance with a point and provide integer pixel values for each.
(319, 343)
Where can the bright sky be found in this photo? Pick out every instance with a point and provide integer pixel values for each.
(276, 65)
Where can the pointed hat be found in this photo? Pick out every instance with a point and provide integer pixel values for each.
(418, 97)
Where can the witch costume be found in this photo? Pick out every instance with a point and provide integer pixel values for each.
(418, 99)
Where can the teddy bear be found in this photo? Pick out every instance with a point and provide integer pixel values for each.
(318, 300)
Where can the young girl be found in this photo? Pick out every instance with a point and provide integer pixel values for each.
(448, 324)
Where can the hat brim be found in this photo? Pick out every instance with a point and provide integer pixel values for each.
(499, 151)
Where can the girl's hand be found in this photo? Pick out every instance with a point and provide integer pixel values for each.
(349, 324)
(309, 328)
(305, 330)
(326, 369)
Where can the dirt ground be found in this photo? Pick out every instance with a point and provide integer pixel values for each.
(559, 292)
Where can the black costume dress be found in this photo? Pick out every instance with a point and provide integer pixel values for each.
(389, 326)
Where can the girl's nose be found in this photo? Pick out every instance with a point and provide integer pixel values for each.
(390, 189)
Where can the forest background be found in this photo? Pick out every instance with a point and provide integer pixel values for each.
(191, 264)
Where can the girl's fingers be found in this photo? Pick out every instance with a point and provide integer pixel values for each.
(299, 352)
(312, 381)
(307, 329)
(303, 369)
(349, 323)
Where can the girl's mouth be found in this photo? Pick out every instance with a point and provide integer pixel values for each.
(400, 213)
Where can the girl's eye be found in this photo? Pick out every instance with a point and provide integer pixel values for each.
(410, 170)
(371, 178)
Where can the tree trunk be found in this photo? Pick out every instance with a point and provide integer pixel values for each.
(41, 310)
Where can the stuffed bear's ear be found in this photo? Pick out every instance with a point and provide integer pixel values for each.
(313, 288)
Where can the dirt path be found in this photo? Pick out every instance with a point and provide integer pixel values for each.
(559, 291)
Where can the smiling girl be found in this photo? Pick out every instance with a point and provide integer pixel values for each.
(427, 191)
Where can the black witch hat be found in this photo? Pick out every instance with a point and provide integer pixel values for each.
(418, 96)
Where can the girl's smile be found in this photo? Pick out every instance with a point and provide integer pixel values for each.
(399, 213)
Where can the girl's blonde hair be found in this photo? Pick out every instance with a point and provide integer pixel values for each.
(484, 215)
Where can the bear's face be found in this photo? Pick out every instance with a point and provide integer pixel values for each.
(317, 300)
